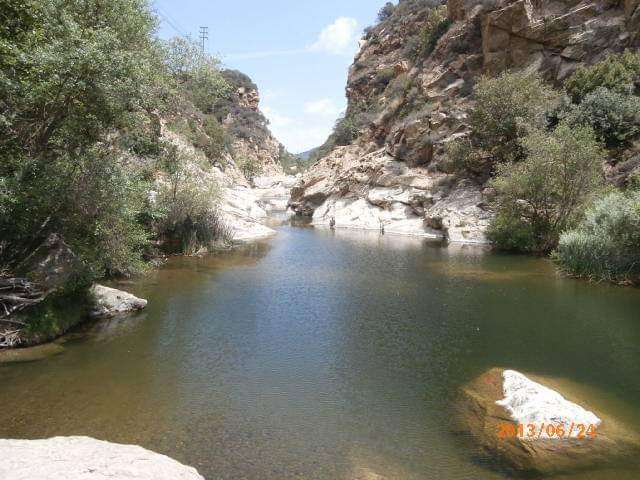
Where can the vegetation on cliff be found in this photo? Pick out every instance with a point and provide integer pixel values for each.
(85, 88)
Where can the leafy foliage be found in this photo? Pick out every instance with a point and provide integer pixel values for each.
(437, 25)
(386, 11)
(186, 208)
(249, 167)
(614, 116)
(618, 73)
(506, 108)
(606, 244)
(538, 198)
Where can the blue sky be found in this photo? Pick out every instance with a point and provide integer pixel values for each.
(298, 52)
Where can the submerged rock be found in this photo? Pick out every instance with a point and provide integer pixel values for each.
(499, 399)
(110, 302)
(84, 458)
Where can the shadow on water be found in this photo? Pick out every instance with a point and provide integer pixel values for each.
(327, 355)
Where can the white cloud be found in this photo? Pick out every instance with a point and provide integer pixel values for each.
(338, 38)
(275, 119)
(298, 140)
(323, 106)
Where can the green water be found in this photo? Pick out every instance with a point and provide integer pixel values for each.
(327, 355)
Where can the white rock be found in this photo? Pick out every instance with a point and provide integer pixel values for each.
(529, 402)
(109, 302)
(84, 458)
(358, 213)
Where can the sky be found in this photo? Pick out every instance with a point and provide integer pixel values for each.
(298, 52)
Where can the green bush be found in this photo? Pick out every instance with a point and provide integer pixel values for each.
(346, 130)
(544, 194)
(618, 73)
(615, 117)
(217, 140)
(198, 75)
(606, 244)
(186, 214)
(386, 11)
(437, 25)
(506, 108)
(249, 167)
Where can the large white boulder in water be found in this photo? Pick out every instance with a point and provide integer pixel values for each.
(531, 403)
(84, 458)
(508, 414)
(110, 301)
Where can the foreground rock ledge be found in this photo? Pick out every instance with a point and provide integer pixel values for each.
(500, 396)
(84, 458)
(109, 302)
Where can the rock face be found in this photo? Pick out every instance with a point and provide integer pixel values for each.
(248, 127)
(408, 99)
(83, 458)
(506, 397)
(110, 302)
(352, 189)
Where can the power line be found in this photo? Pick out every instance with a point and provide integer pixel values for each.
(204, 35)
(169, 20)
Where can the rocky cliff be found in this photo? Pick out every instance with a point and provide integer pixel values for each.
(248, 127)
(410, 89)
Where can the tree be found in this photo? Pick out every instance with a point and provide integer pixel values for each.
(77, 70)
(506, 108)
(544, 194)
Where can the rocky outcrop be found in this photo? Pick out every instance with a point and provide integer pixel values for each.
(110, 301)
(83, 458)
(501, 398)
(409, 98)
(248, 128)
(375, 191)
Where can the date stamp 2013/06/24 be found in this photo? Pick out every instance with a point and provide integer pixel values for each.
(533, 431)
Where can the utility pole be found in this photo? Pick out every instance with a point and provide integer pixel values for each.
(204, 35)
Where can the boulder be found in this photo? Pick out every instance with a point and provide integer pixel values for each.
(110, 302)
(500, 397)
(84, 458)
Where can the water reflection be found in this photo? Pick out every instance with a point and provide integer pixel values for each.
(326, 354)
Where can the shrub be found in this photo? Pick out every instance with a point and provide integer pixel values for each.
(616, 72)
(198, 74)
(386, 11)
(384, 76)
(544, 194)
(506, 107)
(606, 244)
(250, 168)
(437, 25)
(216, 138)
(186, 210)
(615, 117)
(346, 130)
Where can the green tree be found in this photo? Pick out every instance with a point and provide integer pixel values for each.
(538, 198)
(506, 108)
(77, 70)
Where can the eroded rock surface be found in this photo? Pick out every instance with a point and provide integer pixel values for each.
(84, 458)
(410, 101)
(505, 397)
(110, 301)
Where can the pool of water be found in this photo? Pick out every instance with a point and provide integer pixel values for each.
(327, 355)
